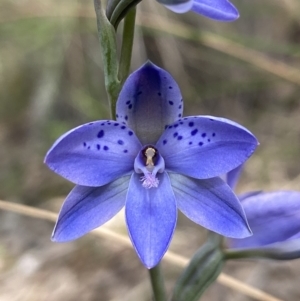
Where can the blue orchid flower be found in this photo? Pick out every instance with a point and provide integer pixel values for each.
(274, 218)
(219, 10)
(152, 161)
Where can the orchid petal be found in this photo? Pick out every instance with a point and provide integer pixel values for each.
(172, 2)
(211, 204)
(294, 237)
(273, 217)
(220, 10)
(94, 154)
(285, 250)
(180, 8)
(87, 208)
(149, 101)
(245, 195)
(204, 147)
(233, 176)
(151, 216)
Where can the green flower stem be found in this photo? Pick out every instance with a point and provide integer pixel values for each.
(108, 44)
(157, 282)
(269, 253)
(111, 6)
(121, 11)
(127, 44)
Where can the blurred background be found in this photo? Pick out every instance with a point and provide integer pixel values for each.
(51, 80)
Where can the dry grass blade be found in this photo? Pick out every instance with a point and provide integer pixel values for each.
(169, 256)
(178, 29)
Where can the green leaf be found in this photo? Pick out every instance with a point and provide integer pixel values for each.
(202, 271)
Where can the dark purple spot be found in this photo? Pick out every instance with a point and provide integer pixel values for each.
(214, 134)
(126, 117)
(102, 123)
(171, 102)
(165, 141)
(190, 143)
(185, 118)
(170, 126)
(116, 124)
(117, 115)
(166, 127)
(170, 87)
(130, 107)
(121, 142)
(159, 94)
(181, 100)
(194, 132)
(105, 148)
(191, 123)
(203, 135)
(176, 125)
(128, 102)
(91, 123)
(179, 138)
(123, 127)
(84, 144)
(180, 106)
(109, 123)
(98, 146)
(211, 119)
(125, 151)
(200, 143)
(179, 115)
(181, 122)
(139, 93)
(89, 147)
(175, 134)
(100, 134)
(130, 133)
(208, 140)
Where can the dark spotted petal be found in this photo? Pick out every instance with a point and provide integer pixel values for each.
(219, 10)
(205, 147)
(87, 208)
(149, 101)
(273, 217)
(211, 204)
(94, 154)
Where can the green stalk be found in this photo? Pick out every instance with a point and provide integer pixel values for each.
(268, 253)
(157, 282)
(121, 10)
(127, 44)
(111, 6)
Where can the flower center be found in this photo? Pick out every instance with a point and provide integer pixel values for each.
(150, 153)
(149, 179)
(149, 162)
